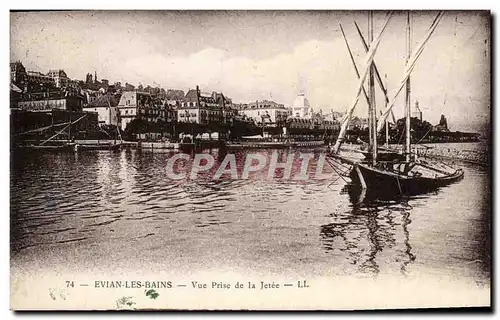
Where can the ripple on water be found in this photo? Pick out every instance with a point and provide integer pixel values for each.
(96, 200)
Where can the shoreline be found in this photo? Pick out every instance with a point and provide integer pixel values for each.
(435, 151)
(477, 156)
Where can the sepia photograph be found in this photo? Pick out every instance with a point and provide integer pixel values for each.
(250, 159)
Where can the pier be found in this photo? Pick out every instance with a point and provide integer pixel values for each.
(461, 152)
(480, 157)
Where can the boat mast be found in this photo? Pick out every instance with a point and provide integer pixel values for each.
(369, 58)
(69, 129)
(386, 120)
(409, 69)
(372, 106)
(408, 91)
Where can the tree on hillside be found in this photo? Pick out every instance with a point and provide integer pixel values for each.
(173, 94)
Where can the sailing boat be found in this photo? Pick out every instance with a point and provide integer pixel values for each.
(407, 176)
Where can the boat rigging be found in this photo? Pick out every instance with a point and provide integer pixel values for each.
(391, 174)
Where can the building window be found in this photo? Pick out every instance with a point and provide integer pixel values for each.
(126, 111)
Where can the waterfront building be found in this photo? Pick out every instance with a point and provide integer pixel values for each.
(316, 123)
(199, 107)
(141, 105)
(51, 100)
(106, 107)
(35, 77)
(60, 78)
(173, 103)
(331, 125)
(226, 105)
(151, 112)
(301, 107)
(158, 110)
(229, 113)
(169, 112)
(131, 105)
(264, 112)
(298, 123)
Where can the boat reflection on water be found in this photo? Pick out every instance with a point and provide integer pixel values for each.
(374, 233)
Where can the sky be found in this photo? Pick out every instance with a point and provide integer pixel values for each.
(256, 55)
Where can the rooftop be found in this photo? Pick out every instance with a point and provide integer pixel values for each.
(106, 100)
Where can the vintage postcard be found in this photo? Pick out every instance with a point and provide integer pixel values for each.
(250, 160)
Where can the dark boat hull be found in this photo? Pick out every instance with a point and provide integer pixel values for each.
(386, 182)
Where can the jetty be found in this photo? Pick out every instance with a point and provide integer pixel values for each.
(475, 155)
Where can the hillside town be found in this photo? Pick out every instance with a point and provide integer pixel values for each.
(105, 109)
(125, 105)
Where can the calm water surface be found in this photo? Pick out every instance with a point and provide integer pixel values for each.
(120, 210)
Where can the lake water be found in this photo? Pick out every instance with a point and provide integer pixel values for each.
(120, 211)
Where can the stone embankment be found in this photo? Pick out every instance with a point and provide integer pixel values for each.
(444, 152)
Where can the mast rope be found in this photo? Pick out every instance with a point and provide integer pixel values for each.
(64, 129)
